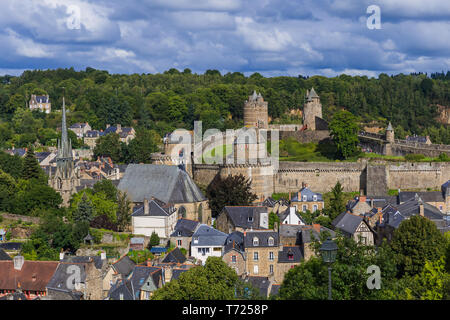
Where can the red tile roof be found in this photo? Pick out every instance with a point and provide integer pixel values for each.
(33, 276)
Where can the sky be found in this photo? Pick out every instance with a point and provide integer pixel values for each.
(272, 37)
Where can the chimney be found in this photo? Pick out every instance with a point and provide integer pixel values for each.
(119, 128)
(18, 262)
(299, 196)
(61, 255)
(303, 184)
(289, 196)
(103, 256)
(316, 227)
(421, 210)
(146, 208)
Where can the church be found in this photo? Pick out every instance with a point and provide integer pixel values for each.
(66, 178)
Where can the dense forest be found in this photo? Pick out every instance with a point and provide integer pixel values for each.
(175, 99)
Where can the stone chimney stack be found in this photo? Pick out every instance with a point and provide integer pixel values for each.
(421, 209)
(119, 128)
(61, 255)
(146, 206)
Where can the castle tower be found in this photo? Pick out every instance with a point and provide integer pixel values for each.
(65, 179)
(256, 112)
(311, 109)
(390, 133)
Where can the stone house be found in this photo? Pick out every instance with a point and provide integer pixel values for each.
(137, 243)
(182, 234)
(306, 199)
(234, 252)
(288, 258)
(273, 205)
(170, 184)
(91, 136)
(207, 242)
(354, 226)
(80, 129)
(41, 103)
(145, 280)
(126, 134)
(261, 252)
(154, 216)
(242, 218)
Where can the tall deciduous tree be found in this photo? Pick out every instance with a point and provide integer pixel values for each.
(123, 211)
(416, 240)
(337, 203)
(230, 191)
(344, 132)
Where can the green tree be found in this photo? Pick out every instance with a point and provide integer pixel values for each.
(84, 211)
(31, 168)
(145, 143)
(123, 211)
(273, 217)
(107, 187)
(230, 191)
(337, 203)
(109, 146)
(415, 241)
(154, 240)
(213, 281)
(344, 132)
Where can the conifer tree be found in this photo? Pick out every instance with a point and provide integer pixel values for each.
(84, 211)
(31, 169)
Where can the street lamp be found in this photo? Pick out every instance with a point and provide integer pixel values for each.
(328, 250)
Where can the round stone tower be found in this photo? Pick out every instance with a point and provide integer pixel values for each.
(256, 112)
(311, 110)
(390, 133)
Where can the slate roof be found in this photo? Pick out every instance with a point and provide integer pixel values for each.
(290, 230)
(4, 255)
(98, 262)
(42, 270)
(294, 251)
(312, 94)
(123, 287)
(124, 266)
(11, 246)
(246, 217)
(175, 256)
(184, 228)
(235, 240)
(430, 196)
(389, 127)
(347, 222)
(275, 289)
(42, 99)
(40, 156)
(208, 236)
(61, 275)
(94, 134)
(155, 208)
(416, 138)
(139, 277)
(261, 283)
(376, 201)
(158, 250)
(283, 215)
(78, 125)
(412, 207)
(137, 240)
(310, 233)
(305, 191)
(263, 237)
(176, 272)
(170, 184)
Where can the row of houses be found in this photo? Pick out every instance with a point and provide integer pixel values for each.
(84, 131)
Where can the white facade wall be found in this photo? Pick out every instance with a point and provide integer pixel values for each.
(163, 226)
(292, 218)
(213, 252)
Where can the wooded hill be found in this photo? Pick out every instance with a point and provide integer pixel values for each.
(175, 99)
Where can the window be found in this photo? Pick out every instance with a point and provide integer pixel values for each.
(271, 241)
(250, 219)
(440, 208)
(255, 256)
(233, 259)
(304, 208)
(196, 240)
(271, 268)
(255, 269)
(255, 241)
(271, 256)
(179, 243)
(315, 197)
(305, 197)
(290, 256)
(315, 208)
(179, 233)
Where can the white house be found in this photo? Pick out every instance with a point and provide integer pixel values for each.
(207, 242)
(154, 216)
(289, 216)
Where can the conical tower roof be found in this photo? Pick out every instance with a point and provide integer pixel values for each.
(389, 127)
(312, 94)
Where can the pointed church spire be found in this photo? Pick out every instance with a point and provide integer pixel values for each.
(66, 153)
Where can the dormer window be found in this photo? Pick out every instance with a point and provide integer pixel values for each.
(255, 241)
(315, 197)
(290, 255)
(270, 241)
(196, 240)
(305, 197)
(179, 233)
(250, 219)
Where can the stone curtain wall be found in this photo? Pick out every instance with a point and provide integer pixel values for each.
(433, 150)
(322, 176)
(306, 136)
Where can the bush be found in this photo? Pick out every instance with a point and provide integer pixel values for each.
(183, 251)
(414, 157)
(443, 157)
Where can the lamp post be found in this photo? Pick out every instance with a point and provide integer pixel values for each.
(328, 250)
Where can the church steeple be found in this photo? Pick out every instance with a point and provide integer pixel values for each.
(64, 160)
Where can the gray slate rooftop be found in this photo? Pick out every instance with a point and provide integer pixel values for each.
(347, 222)
(208, 236)
(170, 184)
